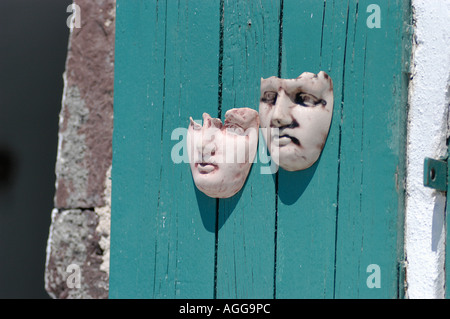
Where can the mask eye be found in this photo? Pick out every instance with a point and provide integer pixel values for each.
(305, 99)
(270, 97)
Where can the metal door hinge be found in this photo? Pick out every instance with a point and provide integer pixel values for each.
(435, 173)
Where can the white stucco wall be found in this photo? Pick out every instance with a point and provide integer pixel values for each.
(427, 134)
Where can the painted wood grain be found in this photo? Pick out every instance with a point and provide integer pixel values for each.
(137, 87)
(185, 237)
(371, 154)
(380, 212)
(246, 246)
(164, 229)
(447, 238)
(307, 234)
(307, 200)
(356, 219)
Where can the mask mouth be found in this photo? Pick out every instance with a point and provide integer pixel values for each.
(205, 168)
(285, 139)
(280, 138)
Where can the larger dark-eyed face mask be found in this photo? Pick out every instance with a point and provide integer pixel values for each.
(295, 118)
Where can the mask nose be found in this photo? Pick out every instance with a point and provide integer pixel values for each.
(281, 116)
(206, 146)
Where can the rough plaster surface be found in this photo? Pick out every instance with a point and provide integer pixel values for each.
(72, 170)
(74, 241)
(86, 119)
(427, 134)
(79, 233)
(104, 223)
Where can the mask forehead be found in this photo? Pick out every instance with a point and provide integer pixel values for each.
(243, 117)
(270, 84)
(320, 85)
(210, 126)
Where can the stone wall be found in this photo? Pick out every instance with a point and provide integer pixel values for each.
(79, 233)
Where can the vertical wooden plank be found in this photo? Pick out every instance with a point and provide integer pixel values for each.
(245, 255)
(138, 70)
(166, 71)
(185, 224)
(372, 155)
(352, 137)
(313, 40)
(447, 235)
(357, 178)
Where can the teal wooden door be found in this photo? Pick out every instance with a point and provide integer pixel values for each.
(334, 230)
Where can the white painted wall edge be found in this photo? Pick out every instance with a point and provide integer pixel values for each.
(428, 128)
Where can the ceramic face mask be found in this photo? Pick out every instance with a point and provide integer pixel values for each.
(295, 118)
(220, 155)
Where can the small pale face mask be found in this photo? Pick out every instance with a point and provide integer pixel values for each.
(295, 118)
(220, 155)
